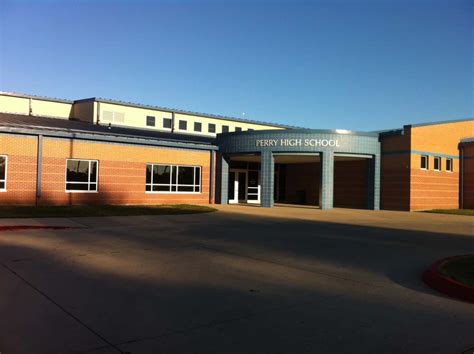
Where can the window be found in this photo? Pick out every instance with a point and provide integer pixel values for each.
(437, 163)
(3, 173)
(183, 125)
(211, 128)
(238, 129)
(81, 175)
(111, 116)
(249, 129)
(167, 123)
(173, 178)
(424, 162)
(150, 121)
(197, 127)
(449, 165)
(225, 128)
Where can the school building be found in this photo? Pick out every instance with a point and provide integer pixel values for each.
(101, 151)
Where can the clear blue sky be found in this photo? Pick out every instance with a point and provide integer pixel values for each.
(361, 65)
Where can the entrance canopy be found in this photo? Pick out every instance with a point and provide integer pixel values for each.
(269, 147)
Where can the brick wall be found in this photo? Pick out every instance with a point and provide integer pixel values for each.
(122, 172)
(395, 172)
(21, 169)
(468, 200)
(302, 183)
(351, 183)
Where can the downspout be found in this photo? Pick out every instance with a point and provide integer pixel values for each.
(212, 174)
(30, 107)
(461, 199)
(172, 122)
(98, 113)
(39, 168)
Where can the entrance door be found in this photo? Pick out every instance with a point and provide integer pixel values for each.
(253, 193)
(237, 186)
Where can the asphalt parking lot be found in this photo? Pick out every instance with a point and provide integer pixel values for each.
(241, 280)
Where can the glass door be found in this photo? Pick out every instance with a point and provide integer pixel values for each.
(237, 186)
(253, 190)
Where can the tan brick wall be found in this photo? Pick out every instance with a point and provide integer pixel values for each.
(21, 169)
(432, 189)
(395, 172)
(122, 171)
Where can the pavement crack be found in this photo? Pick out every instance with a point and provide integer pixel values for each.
(62, 308)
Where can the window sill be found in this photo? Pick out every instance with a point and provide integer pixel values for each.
(82, 192)
(149, 192)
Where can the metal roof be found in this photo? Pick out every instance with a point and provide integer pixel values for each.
(180, 111)
(44, 125)
(41, 98)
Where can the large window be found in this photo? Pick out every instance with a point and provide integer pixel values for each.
(173, 179)
(437, 163)
(424, 162)
(3, 173)
(81, 175)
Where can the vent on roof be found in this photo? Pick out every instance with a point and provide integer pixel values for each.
(110, 116)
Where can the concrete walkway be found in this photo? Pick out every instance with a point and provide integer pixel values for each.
(242, 280)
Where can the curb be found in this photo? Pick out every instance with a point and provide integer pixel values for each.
(440, 282)
(33, 227)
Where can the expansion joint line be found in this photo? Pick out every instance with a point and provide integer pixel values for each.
(62, 308)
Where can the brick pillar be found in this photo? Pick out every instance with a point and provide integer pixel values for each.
(326, 190)
(267, 171)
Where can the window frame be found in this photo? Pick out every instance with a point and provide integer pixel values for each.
(154, 121)
(170, 120)
(427, 167)
(185, 125)
(4, 189)
(88, 177)
(198, 124)
(174, 180)
(238, 129)
(227, 129)
(213, 130)
(451, 169)
(439, 164)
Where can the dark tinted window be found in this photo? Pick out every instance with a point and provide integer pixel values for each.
(150, 121)
(197, 126)
(183, 125)
(167, 123)
(225, 128)
(3, 163)
(211, 128)
(238, 129)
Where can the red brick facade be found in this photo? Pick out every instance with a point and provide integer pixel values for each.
(122, 172)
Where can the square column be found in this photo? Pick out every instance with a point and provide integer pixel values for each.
(224, 171)
(326, 188)
(268, 173)
(376, 184)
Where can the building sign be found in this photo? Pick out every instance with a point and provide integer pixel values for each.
(297, 142)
